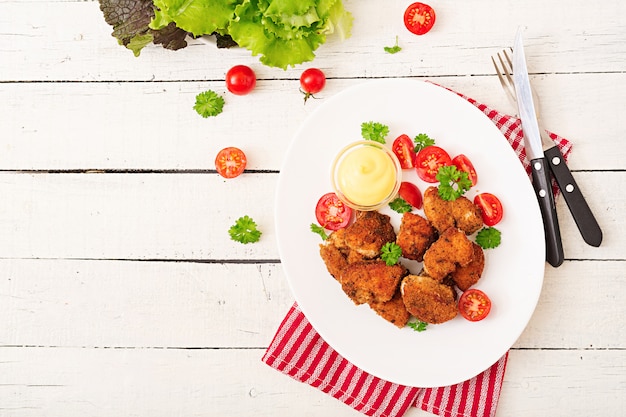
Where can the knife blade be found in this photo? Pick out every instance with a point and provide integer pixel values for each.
(539, 165)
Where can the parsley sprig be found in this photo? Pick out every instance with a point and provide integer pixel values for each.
(244, 231)
(209, 103)
(316, 228)
(393, 49)
(418, 326)
(390, 253)
(400, 205)
(374, 131)
(489, 237)
(421, 141)
(453, 183)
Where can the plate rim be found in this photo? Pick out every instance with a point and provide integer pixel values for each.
(469, 107)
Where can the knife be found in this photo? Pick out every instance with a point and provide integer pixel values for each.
(584, 218)
(539, 165)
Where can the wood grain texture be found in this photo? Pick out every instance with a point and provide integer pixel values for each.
(214, 382)
(121, 293)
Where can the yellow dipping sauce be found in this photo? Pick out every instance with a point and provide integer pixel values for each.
(366, 175)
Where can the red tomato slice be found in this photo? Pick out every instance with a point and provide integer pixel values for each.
(240, 80)
(230, 162)
(332, 213)
(419, 18)
(462, 163)
(429, 160)
(490, 207)
(403, 148)
(411, 194)
(474, 305)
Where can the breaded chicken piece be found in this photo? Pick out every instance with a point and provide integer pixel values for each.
(466, 215)
(437, 211)
(394, 310)
(451, 250)
(369, 232)
(416, 234)
(468, 275)
(428, 300)
(371, 281)
(460, 213)
(333, 258)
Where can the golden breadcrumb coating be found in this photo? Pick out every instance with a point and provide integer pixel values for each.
(334, 259)
(428, 300)
(460, 213)
(369, 232)
(394, 310)
(466, 276)
(371, 281)
(416, 234)
(451, 250)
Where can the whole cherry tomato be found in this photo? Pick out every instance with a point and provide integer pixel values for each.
(312, 81)
(240, 80)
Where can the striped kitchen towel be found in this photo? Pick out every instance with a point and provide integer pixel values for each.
(298, 350)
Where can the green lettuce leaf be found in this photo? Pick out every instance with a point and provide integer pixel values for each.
(282, 32)
(199, 17)
(286, 32)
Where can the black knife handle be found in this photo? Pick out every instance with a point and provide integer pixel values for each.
(543, 187)
(586, 222)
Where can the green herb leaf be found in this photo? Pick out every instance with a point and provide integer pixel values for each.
(374, 131)
(400, 205)
(390, 253)
(316, 228)
(453, 183)
(393, 49)
(209, 103)
(418, 326)
(421, 141)
(244, 231)
(489, 237)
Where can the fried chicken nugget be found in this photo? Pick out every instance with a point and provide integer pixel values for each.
(451, 250)
(466, 276)
(371, 281)
(369, 232)
(416, 234)
(460, 213)
(428, 300)
(333, 258)
(394, 310)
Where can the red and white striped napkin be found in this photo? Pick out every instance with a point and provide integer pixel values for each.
(299, 351)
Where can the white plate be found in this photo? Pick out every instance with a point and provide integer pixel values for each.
(447, 353)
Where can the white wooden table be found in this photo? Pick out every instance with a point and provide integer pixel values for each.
(121, 293)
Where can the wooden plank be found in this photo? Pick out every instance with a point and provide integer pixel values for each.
(79, 45)
(181, 382)
(114, 304)
(153, 126)
(187, 216)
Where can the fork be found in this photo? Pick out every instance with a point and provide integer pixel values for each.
(584, 218)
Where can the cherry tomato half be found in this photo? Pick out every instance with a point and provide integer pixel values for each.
(403, 148)
(240, 80)
(230, 162)
(419, 18)
(331, 213)
(429, 160)
(474, 305)
(411, 194)
(312, 81)
(490, 207)
(462, 163)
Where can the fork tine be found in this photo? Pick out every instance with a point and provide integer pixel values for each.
(504, 71)
(503, 82)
